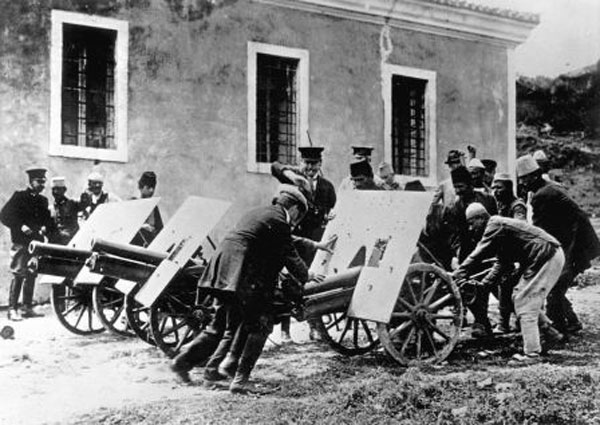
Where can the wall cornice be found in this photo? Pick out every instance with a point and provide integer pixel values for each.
(451, 18)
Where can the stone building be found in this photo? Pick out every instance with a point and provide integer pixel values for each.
(208, 92)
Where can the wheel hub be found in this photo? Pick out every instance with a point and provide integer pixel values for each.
(420, 315)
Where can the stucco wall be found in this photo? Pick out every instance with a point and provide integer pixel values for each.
(188, 95)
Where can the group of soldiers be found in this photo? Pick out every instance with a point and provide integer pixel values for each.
(31, 217)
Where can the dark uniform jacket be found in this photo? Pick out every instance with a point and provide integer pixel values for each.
(87, 204)
(64, 213)
(455, 219)
(248, 261)
(511, 241)
(556, 213)
(516, 208)
(26, 207)
(321, 203)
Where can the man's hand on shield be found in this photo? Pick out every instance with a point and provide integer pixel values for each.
(327, 245)
(316, 277)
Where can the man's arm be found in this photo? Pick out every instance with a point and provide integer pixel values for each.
(9, 215)
(486, 248)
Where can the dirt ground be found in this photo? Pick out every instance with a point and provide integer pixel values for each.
(49, 375)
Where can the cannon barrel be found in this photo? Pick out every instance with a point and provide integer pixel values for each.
(58, 251)
(120, 268)
(345, 279)
(129, 252)
(55, 266)
(334, 300)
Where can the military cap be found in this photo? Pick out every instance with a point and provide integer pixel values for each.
(540, 156)
(526, 165)
(289, 191)
(311, 153)
(148, 178)
(476, 163)
(489, 164)
(454, 156)
(36, 173)
(362, 150)
(361, 168)
(502, 177)
(476, 209)
(58, 182)
(96, 177)
(461, 175)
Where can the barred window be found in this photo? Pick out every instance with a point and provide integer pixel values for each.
(408, 126)
(88, 90)
(88, 86)
(276, 109)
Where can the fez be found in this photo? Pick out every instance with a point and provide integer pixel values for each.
(526, 165)
(148, 178)
(475, 210)
(476, 163)
(58, 182)
(502, 177)
(311, 153)
(362, 150)
(361, 168)
(288, 191)
(36, 173)
(461, 175)
(454, 156)
(414, 186)
(96, 177)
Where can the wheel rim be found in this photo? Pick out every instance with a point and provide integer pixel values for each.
(425, 324)
(347, 335)
(109, 306)
(175, 321)
(138, 317)
(74, 309)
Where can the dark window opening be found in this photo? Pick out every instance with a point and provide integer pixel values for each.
(409, 137)
(276, 109)
(88, 87)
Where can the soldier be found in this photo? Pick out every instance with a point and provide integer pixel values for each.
(387, 180)
(63, 212)
(242, 274)
(359, 153)
(477, 170)
(556, 213)
(95, 195)
(541, 259)
(490, 171)
(153, 225)
(445, 193)
(462, 241)
(321, 199)
(27, 216)
(361, 175)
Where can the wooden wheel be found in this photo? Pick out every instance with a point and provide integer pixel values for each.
(425, 324)
(109, 306)
(346, 335)
(138, 317)
(74, 308)
(175, 320)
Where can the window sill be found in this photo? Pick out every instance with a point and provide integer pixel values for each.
(111, 155)
(259, 167)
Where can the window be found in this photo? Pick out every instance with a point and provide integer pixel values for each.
(277, 104)
(89, 87)
(409, 101)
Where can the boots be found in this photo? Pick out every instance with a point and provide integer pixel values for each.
(28, 313)
(195, 354)
(229, 365)
(212, 370)
(14, 315)
(252, 351)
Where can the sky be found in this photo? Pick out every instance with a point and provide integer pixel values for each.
(567, 38)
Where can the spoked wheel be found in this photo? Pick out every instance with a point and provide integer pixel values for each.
(74, 308)
(175, 320)
(425, 324)
(109, 305)
(347, 335)
(138, 317)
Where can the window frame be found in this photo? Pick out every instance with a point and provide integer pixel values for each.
(56, 148)
(388, 72)
(302, 79)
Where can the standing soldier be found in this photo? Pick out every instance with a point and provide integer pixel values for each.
(508, 204)
(63, 212)
(27, 216)
(556, 213)
(94, 195)
(153, 225)
(387, 179)
(321, 200)
(359, 153)
(361, 176)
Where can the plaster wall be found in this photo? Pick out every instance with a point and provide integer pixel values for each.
(187, 96)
